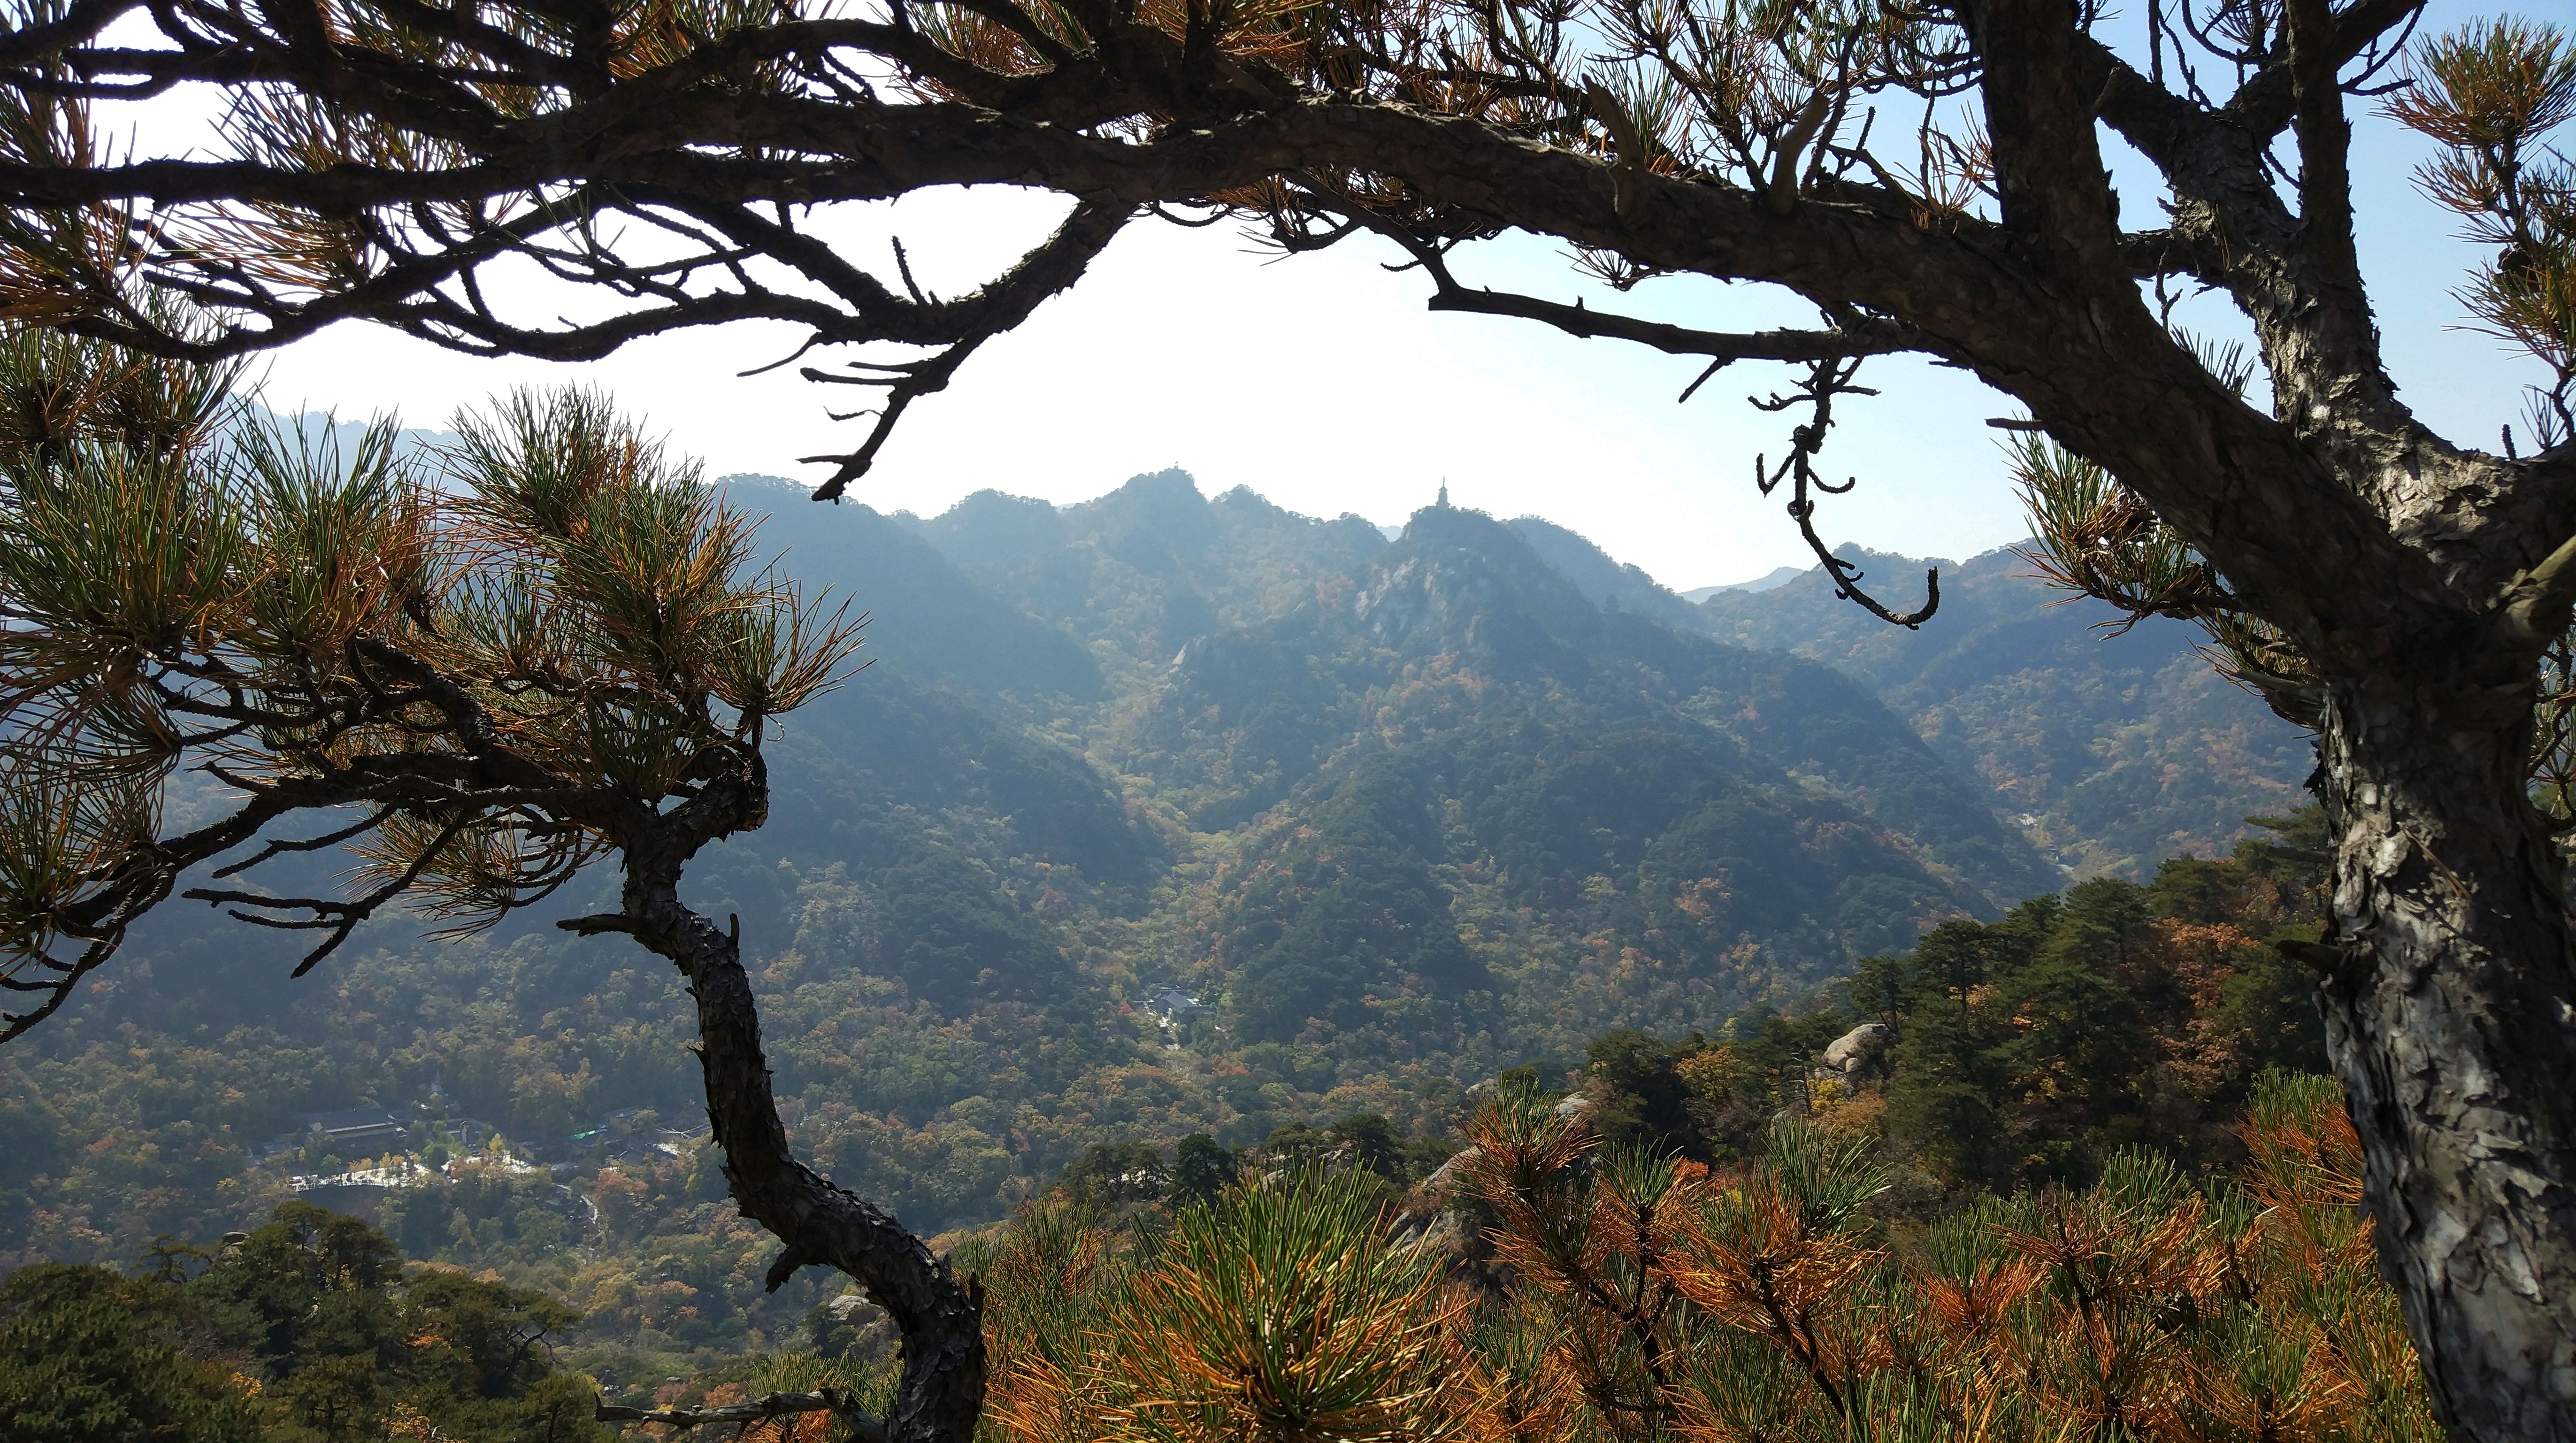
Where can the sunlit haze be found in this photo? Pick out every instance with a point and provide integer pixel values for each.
(1323, 383)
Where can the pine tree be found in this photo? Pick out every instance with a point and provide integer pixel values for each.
(1928, 174)
(560, 658)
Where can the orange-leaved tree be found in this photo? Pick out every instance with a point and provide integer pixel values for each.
(1628, 1296)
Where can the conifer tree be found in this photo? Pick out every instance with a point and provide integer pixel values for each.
(555, 656)
(1928, 174)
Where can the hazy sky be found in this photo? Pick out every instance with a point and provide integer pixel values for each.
(1323, 383)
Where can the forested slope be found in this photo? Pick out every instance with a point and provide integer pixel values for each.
(2117, 747)
(1395, 814)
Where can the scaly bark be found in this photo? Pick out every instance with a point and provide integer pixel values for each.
(2447, 987)
(941, 1392)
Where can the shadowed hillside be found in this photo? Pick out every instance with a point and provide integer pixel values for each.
(1154, 815)
(2112, 750)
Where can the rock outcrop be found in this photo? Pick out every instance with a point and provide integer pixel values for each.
(1859, 1055)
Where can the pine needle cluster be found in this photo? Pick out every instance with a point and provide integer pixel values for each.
(1636, 1297)
(1281, 1310)
(481, 667)
(2488, 95)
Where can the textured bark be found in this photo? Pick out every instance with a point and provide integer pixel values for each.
(2417, 579)
(2447, 994)
(941, 1392)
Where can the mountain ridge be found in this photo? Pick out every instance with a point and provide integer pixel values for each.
(1393, 815)
(1776, 576)
(2120, 744)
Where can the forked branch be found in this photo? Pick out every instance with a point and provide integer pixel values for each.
(1832, 358)
(999, 307)
(1826, 379)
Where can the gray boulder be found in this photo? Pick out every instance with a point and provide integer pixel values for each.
(1861, 1052)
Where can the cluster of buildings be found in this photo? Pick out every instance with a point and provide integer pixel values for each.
(383, 1148)
(1171, 1007)
(636, 1136)
(359, 1151)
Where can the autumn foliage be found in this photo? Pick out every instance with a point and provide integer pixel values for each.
(1629, 1296)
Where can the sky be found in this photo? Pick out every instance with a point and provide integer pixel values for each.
(1323, 383)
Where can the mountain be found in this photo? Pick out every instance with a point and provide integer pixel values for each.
(924, 617)
(1134, 574)
(1604, 582)
(1776, 577)
(1152, 815)
(325, 429)
(2112, 748)
(1479, 740)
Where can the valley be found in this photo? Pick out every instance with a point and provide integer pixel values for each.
(1157, 815)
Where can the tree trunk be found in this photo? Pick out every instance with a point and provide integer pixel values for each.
(941, 1392)
(2447, 997)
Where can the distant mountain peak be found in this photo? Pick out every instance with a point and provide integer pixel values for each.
(1252, 503)
(993, 527)
(1465, 584)
(925, 617)
(1607, 583)
(1768, 581)
(1171, 485)
(2114, 752)
(760, 481)
(1154, 518)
